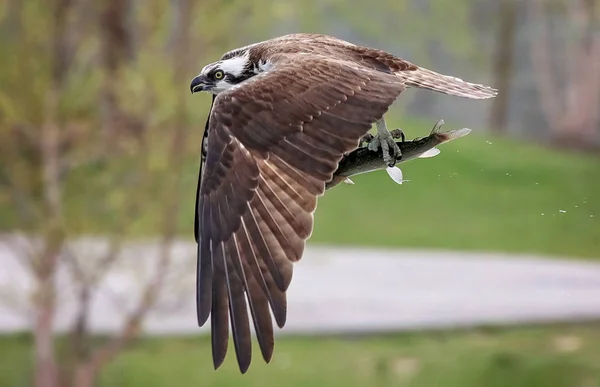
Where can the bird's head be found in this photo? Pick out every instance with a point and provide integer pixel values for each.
(231, 70)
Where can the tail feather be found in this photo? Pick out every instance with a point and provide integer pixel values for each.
(430, 80)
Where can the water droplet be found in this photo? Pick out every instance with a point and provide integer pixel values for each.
(562, 211)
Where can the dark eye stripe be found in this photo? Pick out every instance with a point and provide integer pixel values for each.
(240, 78)
(235, 80)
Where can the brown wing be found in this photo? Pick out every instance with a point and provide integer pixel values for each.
(411, 74)
(273, 143)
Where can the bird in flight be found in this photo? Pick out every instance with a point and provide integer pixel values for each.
(284, 113)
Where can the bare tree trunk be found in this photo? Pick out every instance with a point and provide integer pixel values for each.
(503, 64)
(572, 110)
(85, 376)
(45, 264)
(115, 49)
(580, 120)
(540, 57)
(11, 25)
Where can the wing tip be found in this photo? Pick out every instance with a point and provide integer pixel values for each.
(203, 308)
(267, 355)
(244, 363)
(280, 314)
(201, 317)
(219, 352)
(217, 361)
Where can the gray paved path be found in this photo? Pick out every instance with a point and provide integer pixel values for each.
(334, 290)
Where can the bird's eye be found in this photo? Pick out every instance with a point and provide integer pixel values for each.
(219, 74)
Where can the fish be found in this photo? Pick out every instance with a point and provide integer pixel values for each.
(363, 160)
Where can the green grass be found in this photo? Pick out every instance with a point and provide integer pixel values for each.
(551, 356)
(480, 193)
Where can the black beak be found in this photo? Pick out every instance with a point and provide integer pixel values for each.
(199, 83)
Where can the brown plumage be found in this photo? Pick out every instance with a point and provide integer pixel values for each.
(271, 143)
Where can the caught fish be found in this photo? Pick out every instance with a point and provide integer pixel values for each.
(363, 160)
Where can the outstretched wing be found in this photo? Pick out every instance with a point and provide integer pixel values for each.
(273, 143)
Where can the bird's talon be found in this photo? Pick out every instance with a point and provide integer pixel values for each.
(390, 150)
(398, 133)
(396, 153)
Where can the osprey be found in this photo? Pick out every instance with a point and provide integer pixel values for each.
(284, 113)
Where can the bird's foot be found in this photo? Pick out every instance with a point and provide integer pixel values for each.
(396, 134)
(391, 150)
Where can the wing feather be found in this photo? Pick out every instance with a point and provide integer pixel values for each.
(219, 317)
(257, 294)
(260, 267)
(238, 312)
(273, 143)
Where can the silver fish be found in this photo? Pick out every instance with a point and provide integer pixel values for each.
(363, 160)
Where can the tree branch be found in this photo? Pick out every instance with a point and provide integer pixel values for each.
(133, 322)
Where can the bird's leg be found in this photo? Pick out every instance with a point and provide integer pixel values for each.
(383, 138)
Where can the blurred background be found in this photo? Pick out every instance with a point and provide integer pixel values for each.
(480, 271)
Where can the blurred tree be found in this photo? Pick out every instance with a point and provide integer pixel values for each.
(115, 52)
(95, 129)
(568, 75)
(504, 62)
(12, 21)
(94, 132)
(44, 263)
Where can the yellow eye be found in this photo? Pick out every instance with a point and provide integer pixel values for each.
(219, 74)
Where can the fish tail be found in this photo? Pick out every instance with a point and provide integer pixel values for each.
(454, 134)
(443, 137)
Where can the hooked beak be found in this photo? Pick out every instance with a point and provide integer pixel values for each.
(199, 83)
